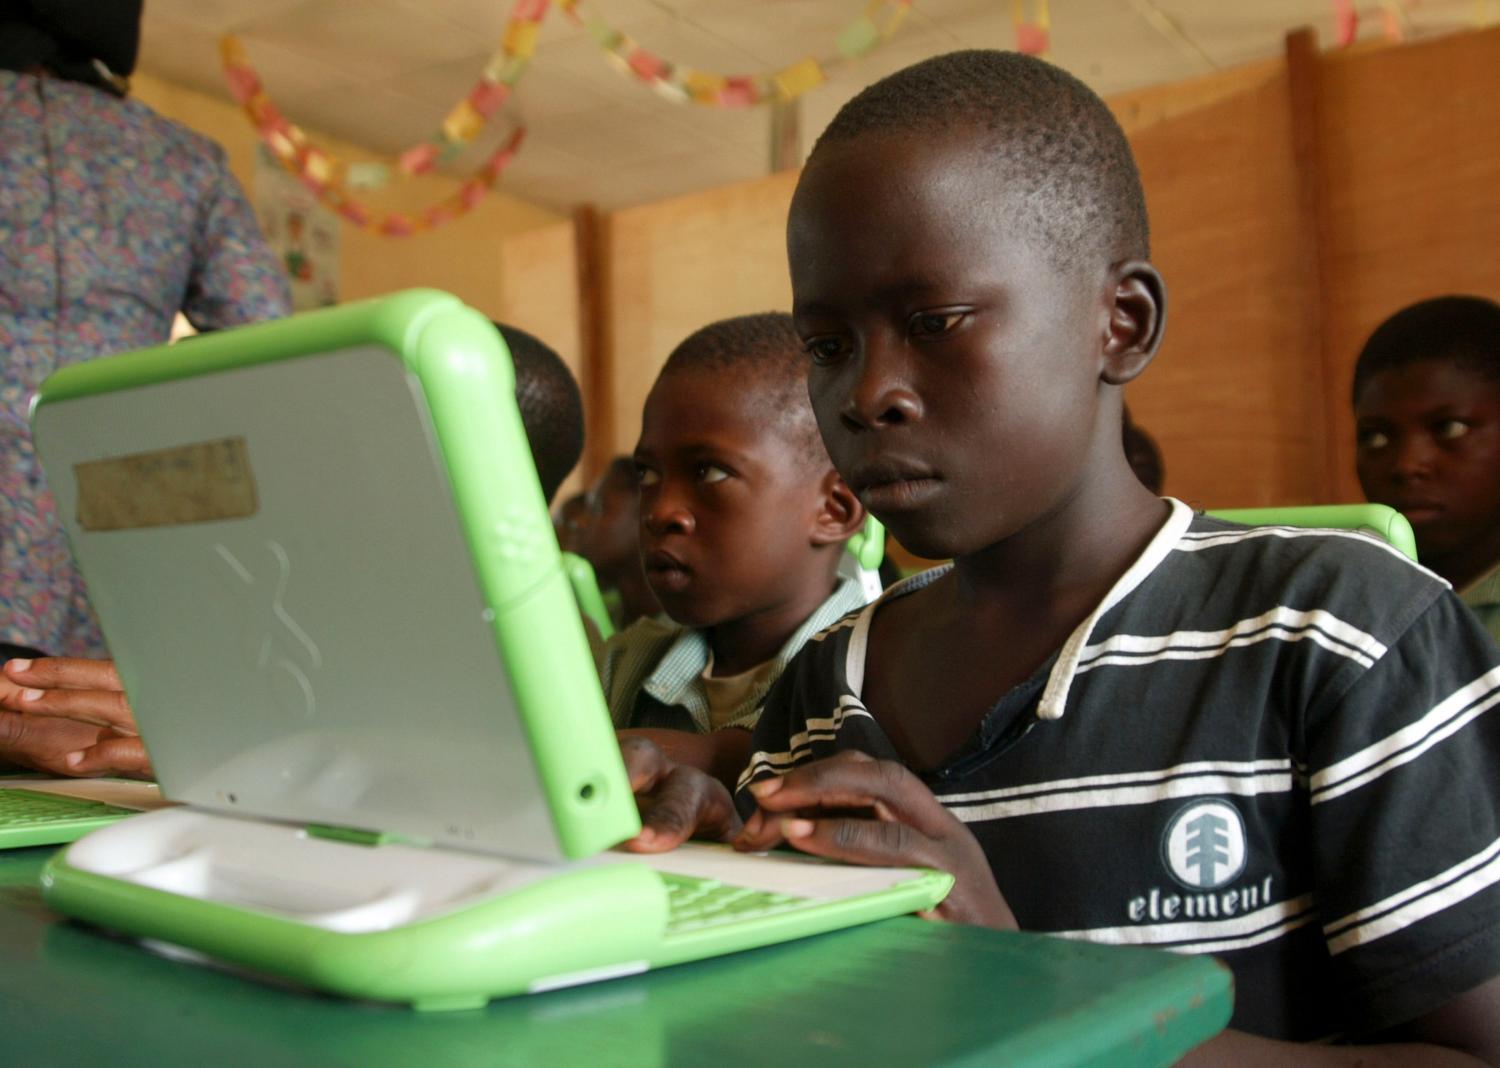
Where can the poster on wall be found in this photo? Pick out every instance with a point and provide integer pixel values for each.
(300, 230)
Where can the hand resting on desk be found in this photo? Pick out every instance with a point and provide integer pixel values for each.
(69, 717)
(850, 808)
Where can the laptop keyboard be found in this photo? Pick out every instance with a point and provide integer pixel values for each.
(697, 903)
(30, 808)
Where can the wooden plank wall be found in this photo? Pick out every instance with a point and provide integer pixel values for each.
(1292, 209)
(1411, 139)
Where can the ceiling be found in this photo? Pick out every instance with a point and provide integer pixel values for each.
(384, 73)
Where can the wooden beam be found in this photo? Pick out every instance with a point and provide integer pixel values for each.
(786, 135)
(1303, 76)
(591, 253)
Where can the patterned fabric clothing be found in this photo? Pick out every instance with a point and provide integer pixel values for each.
(112, 219)
(653, 670)
(1274, 745)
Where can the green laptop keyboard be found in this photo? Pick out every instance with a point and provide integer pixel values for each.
(697, 903)
(31, 808)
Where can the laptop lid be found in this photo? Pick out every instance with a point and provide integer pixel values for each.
(323, 563)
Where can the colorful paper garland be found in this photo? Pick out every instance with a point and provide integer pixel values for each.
(329, 178)
(682, 84)
(1033, 35)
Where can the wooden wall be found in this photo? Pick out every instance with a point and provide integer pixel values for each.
(1411, 159)
(681, 264)
(1233, 398)
(1294, 204)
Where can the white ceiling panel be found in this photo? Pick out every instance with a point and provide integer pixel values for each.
(372, 39)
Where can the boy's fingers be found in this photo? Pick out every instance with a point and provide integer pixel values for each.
(64, 673)
(891, 790)
(855, 841)
(112, 756)
(686, 804)
(645, 763)
(760, 833)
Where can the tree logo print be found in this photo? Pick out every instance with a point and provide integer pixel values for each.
(1204, 845)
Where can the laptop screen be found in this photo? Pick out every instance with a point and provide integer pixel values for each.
(324, 566)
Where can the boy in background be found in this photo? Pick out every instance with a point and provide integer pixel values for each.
(69, 716)
(1110, 719)
(551, 406)
(743, 521)
(611, 543)
(1427, 411)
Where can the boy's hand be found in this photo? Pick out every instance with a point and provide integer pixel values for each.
(677, 802)
(69, 717)
(854, 808)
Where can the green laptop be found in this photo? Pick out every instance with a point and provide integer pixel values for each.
(325, 569)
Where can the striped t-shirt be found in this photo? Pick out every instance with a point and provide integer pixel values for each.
(1268, 744)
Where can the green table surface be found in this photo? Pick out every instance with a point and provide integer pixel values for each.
(903, 991)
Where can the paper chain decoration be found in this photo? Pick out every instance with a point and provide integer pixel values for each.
(329, 178)
(1034, 35)
(685, 85)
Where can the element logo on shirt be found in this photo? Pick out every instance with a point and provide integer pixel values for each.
(1204, 844)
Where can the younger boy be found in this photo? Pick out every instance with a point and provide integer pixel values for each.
(1110, 719)
(1427, 405)
(70, 717)
(742, 524)
(612, 542)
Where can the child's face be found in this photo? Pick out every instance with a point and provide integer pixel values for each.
(611, 541)
(955, 368)
(571, 523)
(727, 501)
(1429, 446)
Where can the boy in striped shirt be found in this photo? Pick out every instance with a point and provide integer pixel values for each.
(1110, 719)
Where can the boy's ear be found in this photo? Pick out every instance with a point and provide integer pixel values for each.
(1137, 318)
(841, 515)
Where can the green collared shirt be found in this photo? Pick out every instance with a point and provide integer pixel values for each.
(652, 672)
(1483, 597)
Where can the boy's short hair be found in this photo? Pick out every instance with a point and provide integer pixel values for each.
(762, 352)
(1461, 330)
(551, 406)
(1055, 144)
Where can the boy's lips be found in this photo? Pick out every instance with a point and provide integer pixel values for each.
(665, 572)
(893, 485)
(1421, 511)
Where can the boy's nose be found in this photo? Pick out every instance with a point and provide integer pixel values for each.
(1414, 455)
(880, 396)
(666, 516)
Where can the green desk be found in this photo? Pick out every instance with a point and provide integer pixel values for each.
(900, 992)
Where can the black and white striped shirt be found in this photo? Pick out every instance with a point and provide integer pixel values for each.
(1268, 744)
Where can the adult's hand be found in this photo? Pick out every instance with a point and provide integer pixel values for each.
(69, 717)
(854, 808)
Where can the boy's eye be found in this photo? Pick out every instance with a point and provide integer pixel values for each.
(933, 324)
(1373, 439)
(644, 476)
(1449, 429)
(824, 350)
(711, 473)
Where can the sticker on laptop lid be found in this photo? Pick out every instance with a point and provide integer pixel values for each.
(195, 483)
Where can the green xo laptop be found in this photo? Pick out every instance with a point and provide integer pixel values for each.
(323, 564)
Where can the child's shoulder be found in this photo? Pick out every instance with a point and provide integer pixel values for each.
(648, 638)
(629, 658)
